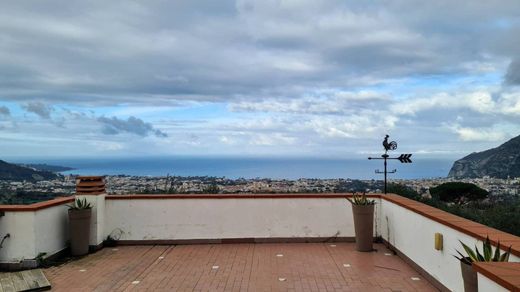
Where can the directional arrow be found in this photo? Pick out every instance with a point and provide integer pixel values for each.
(405, 158)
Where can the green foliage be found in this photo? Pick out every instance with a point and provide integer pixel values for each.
(503, 214)
(403, 190)
(458, 192)
(80, 204)
(487, 254)
(22, 197)
(362, 199)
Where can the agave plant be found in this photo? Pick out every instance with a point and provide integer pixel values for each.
(80, 204)
(362, 199)
(487, 254)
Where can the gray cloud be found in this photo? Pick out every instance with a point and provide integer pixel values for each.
(312, 73)
(108, 54)
(133, 125)
(513, 73)
(4, 111)
(39, 108)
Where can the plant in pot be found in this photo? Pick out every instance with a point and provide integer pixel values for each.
(363, 211)
(469, 275)
(79, 226)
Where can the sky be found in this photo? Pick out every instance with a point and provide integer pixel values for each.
(257, 78)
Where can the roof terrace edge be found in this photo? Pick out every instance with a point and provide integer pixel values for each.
(37, 206)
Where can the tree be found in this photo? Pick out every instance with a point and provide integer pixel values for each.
(458, 192)
(403, 190)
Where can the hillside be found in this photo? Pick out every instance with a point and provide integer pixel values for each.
(500, 162)
(47, 167)
(15, 172)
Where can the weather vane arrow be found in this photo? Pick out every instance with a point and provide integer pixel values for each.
(403, 158)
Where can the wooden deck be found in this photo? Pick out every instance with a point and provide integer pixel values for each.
(30, 280)
(238, 267)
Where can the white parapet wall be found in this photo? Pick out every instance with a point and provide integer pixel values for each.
(34, 230)
(488, 285)
(414, 235)
(182, 219)
(97, 223)
(18, 235)
(408, 226)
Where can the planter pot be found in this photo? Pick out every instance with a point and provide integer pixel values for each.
(79, 226)
(364, 226)
(470, 278)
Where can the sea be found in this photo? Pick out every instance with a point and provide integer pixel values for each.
(249, 167)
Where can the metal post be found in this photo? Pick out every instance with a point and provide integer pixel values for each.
(385, 156)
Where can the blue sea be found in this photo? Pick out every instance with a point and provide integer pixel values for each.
(233, 167)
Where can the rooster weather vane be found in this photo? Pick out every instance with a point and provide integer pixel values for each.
(403, 158)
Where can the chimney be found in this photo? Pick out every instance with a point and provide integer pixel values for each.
(90, 185)
(92, 188)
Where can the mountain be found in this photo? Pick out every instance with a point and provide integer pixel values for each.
(15, 172)
(500, 162)
(47, 167)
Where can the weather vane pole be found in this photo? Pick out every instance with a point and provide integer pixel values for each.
(403, 158)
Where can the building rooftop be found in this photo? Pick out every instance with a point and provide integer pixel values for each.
(239, 267)
(260, 242)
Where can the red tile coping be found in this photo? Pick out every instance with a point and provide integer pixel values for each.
(506, 275)
(237, 196)
(463, 225)
(37, 206)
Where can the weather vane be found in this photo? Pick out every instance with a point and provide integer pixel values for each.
(403, 158)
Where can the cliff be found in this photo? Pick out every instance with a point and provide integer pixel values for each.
(500, 162)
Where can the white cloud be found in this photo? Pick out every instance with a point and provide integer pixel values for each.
(365, 124)
(106, 145)
(272, 139)
(479, 134)
(478, 101)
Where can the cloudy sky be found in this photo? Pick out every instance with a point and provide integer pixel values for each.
(269, 78)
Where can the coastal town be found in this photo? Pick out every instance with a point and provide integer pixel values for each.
(65, 185)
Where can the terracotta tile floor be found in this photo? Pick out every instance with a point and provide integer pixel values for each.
(238, 267)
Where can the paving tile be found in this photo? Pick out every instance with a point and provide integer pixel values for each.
(241, 267)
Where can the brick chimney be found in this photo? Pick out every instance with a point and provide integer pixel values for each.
(90, 185)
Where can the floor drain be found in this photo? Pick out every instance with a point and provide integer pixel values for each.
(136, 282)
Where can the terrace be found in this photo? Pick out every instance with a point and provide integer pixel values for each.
(261, 242)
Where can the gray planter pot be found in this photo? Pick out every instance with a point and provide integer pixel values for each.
(470, 278)
(364, 226)
(79, 230)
